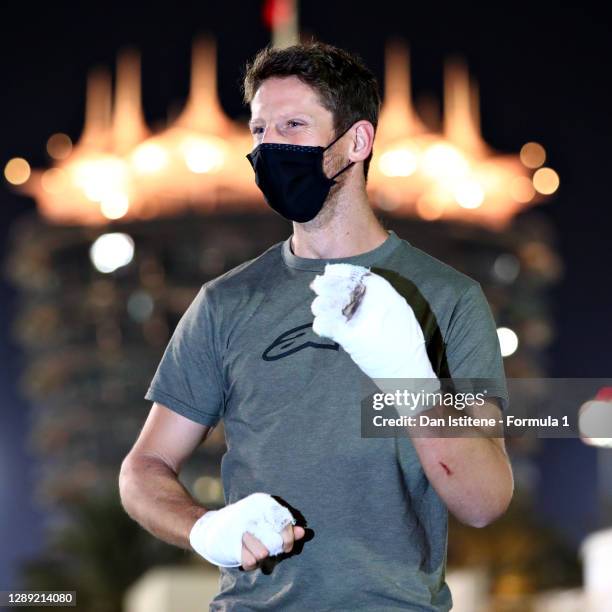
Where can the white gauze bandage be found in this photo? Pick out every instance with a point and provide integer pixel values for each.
(375, 325)
(217, 534)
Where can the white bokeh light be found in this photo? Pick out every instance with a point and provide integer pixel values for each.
(115, 205)
(149, 157)
(399, 162)
(111, 251)
(508, 341)
(594, 422)
(202, 155)
(469, 194)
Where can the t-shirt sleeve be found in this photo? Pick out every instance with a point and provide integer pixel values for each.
(472, 346)
(189, 378)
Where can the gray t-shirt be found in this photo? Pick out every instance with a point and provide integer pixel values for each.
(244, 351)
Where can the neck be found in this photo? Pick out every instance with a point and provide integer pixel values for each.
(346, 226)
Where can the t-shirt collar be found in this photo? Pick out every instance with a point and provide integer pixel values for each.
(318, 265)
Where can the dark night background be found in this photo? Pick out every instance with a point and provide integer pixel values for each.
(543, 71)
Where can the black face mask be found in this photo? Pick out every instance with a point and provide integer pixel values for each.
(291, 178)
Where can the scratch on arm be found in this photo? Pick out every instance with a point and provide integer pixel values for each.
(446, 468)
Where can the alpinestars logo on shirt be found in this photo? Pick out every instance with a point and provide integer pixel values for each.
(294, 340)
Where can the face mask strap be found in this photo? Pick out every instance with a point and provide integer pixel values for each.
(333, 142)
(341, 171)
(337, 139)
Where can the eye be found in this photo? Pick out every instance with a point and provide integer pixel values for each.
(292, 123)
(254, 130)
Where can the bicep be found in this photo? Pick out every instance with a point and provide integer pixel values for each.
(169, 436)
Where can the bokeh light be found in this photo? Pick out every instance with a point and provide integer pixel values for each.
(522, 189)
(595, 423)
(506, 267)
(469, 194)
(532, 155)
(17, 171)
(429, 208)
(115, 205)
(444, 161)
(111, 251)
(202, 155)
(140, 305)
(59, 146)
(546, 181)
(508, 341)
(54, 180)
(400, 162)
(149, 157)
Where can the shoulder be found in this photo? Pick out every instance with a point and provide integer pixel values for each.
(241, 279)
(433, 278)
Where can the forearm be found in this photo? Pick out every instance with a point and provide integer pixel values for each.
(471, 474)
(154, 497)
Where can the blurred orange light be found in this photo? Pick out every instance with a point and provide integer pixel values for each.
(546, 181)
(522, 190)
(127, 172)
(54, 180)
(399, 162)
(203, 155)
(59, 146)
(115, 205)
(149, 158)
(17, 171)
(444, 161)
(100, 176)
(533, 155)
(469, 194)
(429, 209)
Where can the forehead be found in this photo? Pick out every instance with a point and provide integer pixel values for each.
(278, 95)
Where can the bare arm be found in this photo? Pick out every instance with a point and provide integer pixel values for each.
(154, 497)
(472, 475)
(150, 490)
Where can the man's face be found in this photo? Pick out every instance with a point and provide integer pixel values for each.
(286, 110)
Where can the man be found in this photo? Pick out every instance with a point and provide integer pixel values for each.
(355, 522)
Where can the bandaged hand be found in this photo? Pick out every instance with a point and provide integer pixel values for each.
(373, 323)
(218, 534)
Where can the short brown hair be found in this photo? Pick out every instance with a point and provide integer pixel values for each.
(346, 87)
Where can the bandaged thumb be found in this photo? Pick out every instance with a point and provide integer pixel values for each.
(217, 534)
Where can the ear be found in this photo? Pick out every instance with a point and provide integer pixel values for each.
(362, 141)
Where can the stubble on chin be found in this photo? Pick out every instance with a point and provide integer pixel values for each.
(326, 214)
